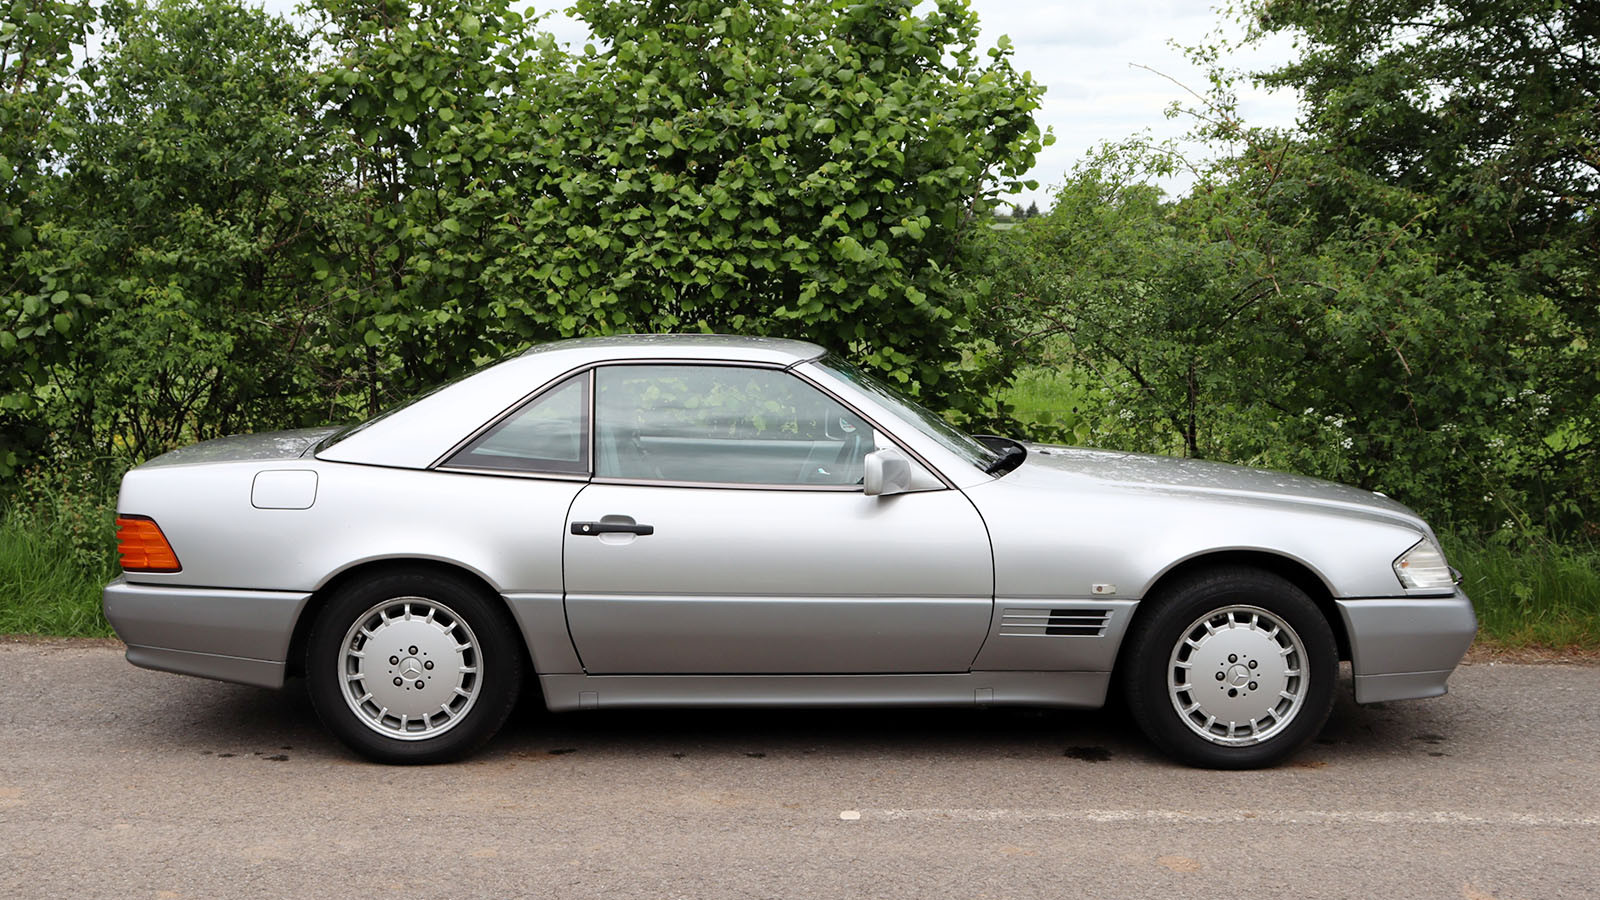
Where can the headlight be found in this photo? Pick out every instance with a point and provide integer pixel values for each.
(1423, 566)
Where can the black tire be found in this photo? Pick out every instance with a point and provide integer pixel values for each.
(1187, 662)
(483, 689)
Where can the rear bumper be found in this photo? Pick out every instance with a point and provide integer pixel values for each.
(228, 635)
(1403, 648)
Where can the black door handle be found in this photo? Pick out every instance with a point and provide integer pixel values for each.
(592, 528)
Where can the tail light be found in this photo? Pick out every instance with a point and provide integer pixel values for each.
(142, 546)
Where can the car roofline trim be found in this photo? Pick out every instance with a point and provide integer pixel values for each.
(801, 362)
(592, 367)
(511, 410)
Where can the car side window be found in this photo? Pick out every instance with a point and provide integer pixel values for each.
(724, 425)
(549, 434)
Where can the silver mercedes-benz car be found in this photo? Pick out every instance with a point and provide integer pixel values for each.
(722, 521)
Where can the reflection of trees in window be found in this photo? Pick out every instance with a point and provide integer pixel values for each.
(724, 424)
(546, 435)
(696, 401)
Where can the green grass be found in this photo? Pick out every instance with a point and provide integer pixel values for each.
(58, 549)
(44, 587)
(1531, 593)
(1052, 402)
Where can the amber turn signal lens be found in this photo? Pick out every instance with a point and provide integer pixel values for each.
(143, 547)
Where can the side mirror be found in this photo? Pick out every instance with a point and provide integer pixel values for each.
(886, 472)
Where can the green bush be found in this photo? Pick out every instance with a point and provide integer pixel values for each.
(221, 221)
(1531, 593)
(1399, 293)
(57, 550)
(1230, 324)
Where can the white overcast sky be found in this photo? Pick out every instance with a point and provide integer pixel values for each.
(1087, 53)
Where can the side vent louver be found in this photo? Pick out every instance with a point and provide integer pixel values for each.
(1054, 622)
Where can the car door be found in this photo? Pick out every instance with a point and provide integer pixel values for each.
(726, 532)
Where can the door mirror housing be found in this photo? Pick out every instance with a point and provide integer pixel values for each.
(886, 472)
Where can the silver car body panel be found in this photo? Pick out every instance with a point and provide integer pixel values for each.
(237, 447)
(1084, 690)
(1405, 647)
(885, 584)
(1059, 527)
(217, 633)
(542, 619)
(506, 531)
(977, 588)
(1214, 479)
(236, 669)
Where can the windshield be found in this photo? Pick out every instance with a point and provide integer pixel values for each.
(950, 437)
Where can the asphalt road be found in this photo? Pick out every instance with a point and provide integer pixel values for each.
(117, 782)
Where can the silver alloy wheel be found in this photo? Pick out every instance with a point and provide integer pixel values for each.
(410, 668)
(1237, 675)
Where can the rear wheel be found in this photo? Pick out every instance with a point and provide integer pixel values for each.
(1232, 668)
(413, 667)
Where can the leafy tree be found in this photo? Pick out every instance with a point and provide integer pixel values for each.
(1486, 105)
(809, 170)
(429, 105)
(189, 177)
(38, 42)
(216, 222)
(1238, 323)
(1484, 111)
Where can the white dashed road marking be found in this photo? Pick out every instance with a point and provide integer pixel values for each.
(1226, 817)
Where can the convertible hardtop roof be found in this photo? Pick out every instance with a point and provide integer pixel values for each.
(416, 435)
(689, 346)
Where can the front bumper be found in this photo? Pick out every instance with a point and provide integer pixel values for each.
(1402, 648)
(229, 635)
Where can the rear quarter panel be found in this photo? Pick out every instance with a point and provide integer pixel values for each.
(507, 530)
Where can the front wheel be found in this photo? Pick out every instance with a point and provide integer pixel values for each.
(1232, 668)
(413, 667)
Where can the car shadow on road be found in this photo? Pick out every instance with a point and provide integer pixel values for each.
(918, 732)
(242, 717)
(1085, 735)
(228, 720)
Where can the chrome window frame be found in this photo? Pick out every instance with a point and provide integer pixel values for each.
(580, 468)
(442, 463)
